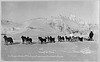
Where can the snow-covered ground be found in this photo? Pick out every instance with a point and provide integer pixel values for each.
(59, 51)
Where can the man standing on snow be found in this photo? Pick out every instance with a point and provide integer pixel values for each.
(91, 35)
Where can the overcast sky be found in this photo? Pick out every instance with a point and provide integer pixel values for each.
(22, 11)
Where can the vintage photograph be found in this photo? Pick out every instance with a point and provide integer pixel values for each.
(49, 30)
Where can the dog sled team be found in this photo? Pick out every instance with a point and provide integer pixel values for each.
(50, 39)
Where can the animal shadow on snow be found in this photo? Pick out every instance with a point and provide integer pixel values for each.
(15, 43)
(30, 43)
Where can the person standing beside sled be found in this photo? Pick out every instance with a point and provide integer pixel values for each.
(91, 35)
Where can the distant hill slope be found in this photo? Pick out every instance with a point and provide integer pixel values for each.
(10, 27)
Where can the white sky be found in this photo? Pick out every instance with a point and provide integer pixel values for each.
(21, 11)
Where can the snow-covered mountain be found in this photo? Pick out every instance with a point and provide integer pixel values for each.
(67, 24)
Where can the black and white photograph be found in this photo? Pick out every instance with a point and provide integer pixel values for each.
(50, 30)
